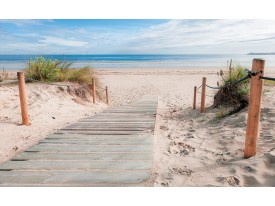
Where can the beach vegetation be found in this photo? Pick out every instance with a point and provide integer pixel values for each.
(230, 94)
(48, 70)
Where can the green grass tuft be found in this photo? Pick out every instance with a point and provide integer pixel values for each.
(48, 70)
(234, 95)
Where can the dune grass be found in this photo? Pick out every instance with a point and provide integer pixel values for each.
(48, 70)
(234, 95)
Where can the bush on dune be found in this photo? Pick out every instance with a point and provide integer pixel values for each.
(234, 96)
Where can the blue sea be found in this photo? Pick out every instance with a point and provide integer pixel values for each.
(180, 61)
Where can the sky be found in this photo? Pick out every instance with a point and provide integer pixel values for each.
(155, 36)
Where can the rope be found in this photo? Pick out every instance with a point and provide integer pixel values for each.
(101, 87)
(232, 84)
(8, 82)
(199, 87)
(101, 91)
(47, 82)
(267, 78)
(207, 94)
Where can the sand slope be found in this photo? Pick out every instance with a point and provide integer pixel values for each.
(193, 149)
(50, 108)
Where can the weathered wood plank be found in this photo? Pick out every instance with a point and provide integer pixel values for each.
(101, 132)
(82, 178)
(84, 156)
(77, 165)
(88, 148)
(107, 128)
(98, 141)
(111, 148)
(79, 136)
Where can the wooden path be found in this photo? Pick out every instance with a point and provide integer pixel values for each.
(113, 148)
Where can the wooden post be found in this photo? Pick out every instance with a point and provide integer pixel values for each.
(230, 69)
(23, 102)
(203, 89)
(94, 92)
(107, 97)
(254, 109)
(195, 97)
(5, 75)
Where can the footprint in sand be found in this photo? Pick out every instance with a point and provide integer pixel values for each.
(162, 127)
(231, 180)
(164, 184)
(182, 171)
(180, 148)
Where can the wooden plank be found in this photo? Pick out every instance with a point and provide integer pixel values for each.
(102, 132)
(84, 156)
(83, 178)
(83, 136)
(98, 141)
(117, 123)
(88, 148)
(107, 128)
(77, 165)
(111, 148)
(122, 120)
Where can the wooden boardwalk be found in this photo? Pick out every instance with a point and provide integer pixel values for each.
(113, 148)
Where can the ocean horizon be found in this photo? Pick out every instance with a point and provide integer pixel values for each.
(153, 61)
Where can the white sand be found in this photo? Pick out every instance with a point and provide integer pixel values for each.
(191, 149)
(49, 110)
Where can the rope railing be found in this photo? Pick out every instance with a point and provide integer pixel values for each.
(267, 78)
(254, 107)
(34, 80)
(9, 82)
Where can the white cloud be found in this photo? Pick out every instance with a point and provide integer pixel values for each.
(237, 36)
(62, 42)
(23, 22)
(174, 36)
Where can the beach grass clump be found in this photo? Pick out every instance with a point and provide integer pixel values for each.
(81, 76)
(42, 69)
(48, 70)
(232, 95)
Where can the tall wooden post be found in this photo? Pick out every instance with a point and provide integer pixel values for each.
(254, 109)
(23, 102)
(107, 97)
(94, 92)
(195, 97)
(203, 90)
(230, 69)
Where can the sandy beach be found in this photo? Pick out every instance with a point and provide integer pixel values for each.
(190, 148)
